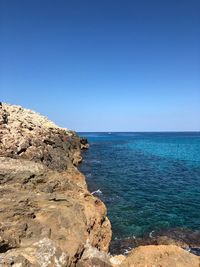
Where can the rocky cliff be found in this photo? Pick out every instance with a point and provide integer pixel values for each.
(47, 215)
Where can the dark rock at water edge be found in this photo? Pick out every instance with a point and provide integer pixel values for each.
(84, 143)
(185, 238)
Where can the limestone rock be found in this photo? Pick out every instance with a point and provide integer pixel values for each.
(47, 215)
(160, 256)
(117, 260)
(25, 134)
(93, 257)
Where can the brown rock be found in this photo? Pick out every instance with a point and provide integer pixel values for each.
(47, 215)
(160, 256)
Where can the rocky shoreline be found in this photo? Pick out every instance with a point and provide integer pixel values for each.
(47, 215)
(182, 237)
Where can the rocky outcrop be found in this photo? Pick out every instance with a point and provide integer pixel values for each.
(84, 143)
(47, 215)
(25, 134)
(160, 256)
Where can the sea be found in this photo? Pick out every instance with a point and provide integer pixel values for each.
(149, 182)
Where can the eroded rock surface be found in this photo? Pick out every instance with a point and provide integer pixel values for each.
(25, 134)
(47, 215)
(160, 256)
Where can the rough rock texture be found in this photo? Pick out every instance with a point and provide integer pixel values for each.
(160, 256)
(47, 215)
(117, 260)
(93, 257)
(25, 134)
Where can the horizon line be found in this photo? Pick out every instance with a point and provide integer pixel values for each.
(192, 131)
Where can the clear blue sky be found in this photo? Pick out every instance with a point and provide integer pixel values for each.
(103, 65)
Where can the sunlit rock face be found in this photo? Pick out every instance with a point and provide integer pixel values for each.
(162, 255)
(47, 215)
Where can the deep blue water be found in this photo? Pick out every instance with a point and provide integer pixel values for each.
(149, 181)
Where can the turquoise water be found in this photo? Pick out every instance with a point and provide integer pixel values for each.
(148, 181)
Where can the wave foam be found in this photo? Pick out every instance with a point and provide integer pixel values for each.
(96, 192)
